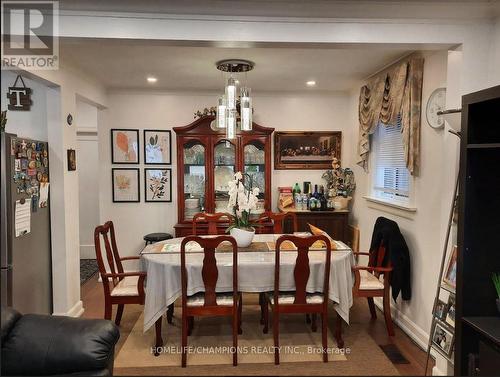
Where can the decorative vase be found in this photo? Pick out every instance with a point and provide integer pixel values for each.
(243, 237)
(341, 203)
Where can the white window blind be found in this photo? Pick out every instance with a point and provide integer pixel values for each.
(391, 177)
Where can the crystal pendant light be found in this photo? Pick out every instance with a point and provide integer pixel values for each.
(221, 112)
(231, 118)
(231, 93)
(245, 109)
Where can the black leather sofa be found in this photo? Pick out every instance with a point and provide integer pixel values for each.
(35, 344)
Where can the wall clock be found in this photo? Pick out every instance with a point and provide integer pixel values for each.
(435, 103)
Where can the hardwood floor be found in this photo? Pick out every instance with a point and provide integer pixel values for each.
(93, 302)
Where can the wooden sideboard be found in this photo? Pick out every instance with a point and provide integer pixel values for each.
(335, 223)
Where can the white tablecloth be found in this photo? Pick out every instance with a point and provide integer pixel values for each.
(255, 274)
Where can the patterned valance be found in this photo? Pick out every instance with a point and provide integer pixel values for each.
(396, 92)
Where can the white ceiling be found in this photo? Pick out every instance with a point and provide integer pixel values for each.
(411, 9)
(125, 65)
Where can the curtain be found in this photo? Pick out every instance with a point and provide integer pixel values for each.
(396, 92)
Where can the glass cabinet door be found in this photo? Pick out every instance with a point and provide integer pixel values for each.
(194, 178)
(254, 165)
(224, 169)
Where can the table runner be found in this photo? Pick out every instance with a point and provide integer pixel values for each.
(255, 274)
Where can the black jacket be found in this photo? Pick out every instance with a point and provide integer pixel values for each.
(387, 232)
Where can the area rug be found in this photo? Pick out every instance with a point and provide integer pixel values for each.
(211, 339)
(88, 268)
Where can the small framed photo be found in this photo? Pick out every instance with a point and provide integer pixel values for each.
(157, 147)
(442, 338)
(158, 185)
(450, 276)
(71, 157)
(124, 146)
(450, 313)
(125, 185)
(441, 310)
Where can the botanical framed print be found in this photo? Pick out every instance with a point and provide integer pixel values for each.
(124, 146)
(306, 150)
(157, 147)
(442, 338)
(450, 276)
(125, 185)
(158, 185)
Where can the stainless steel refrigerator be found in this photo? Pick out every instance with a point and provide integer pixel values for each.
(26, 263)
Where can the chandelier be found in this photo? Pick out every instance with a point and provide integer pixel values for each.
(234, 110)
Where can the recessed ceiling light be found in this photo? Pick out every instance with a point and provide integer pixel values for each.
(152, 79)
(311, 83)
(237, 82)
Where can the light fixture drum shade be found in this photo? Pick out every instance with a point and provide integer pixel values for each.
(231, 119)
(221, 112)
(231, 93)
(246, 110)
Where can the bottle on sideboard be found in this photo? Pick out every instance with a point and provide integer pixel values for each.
(322, 198)
(296, 190)
(314, 203)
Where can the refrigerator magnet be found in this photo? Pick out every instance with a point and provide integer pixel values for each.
(17, 164)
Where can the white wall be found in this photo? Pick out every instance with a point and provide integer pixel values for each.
(155, 110)
(87, 159)
(422, 230)
(30, 124)
(66, 84)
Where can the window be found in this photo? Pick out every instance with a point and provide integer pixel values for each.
(391, 178)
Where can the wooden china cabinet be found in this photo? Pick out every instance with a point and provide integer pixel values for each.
(206, 161)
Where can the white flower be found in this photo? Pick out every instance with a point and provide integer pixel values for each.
(256, 191)
(238, 176)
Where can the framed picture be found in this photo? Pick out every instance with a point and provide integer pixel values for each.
(124, 146)
(441, 310)
(157, 147)
(125, 185)
(306, 150)
(71, 157)
(442, 338)
(450, 314)
(158, 185)
(450, 276)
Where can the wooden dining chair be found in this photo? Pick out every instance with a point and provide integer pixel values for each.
(210, 303)
(367, 283)
(299, 301)
(278, 220)
(213, 219)
(120, 287)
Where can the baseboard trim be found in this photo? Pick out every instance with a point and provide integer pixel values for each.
(76, 311)
(437, 372)
(410, 328)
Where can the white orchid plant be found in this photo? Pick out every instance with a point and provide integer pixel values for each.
(242, 200)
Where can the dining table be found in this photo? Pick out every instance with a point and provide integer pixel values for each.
(256, 267)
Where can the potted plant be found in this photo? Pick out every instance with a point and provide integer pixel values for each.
(340, 184)
(496, 281)
(242, 200)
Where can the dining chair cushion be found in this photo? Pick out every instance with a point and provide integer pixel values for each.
(369, 281)
(126, 287)
(289, 298)
(223, 299)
